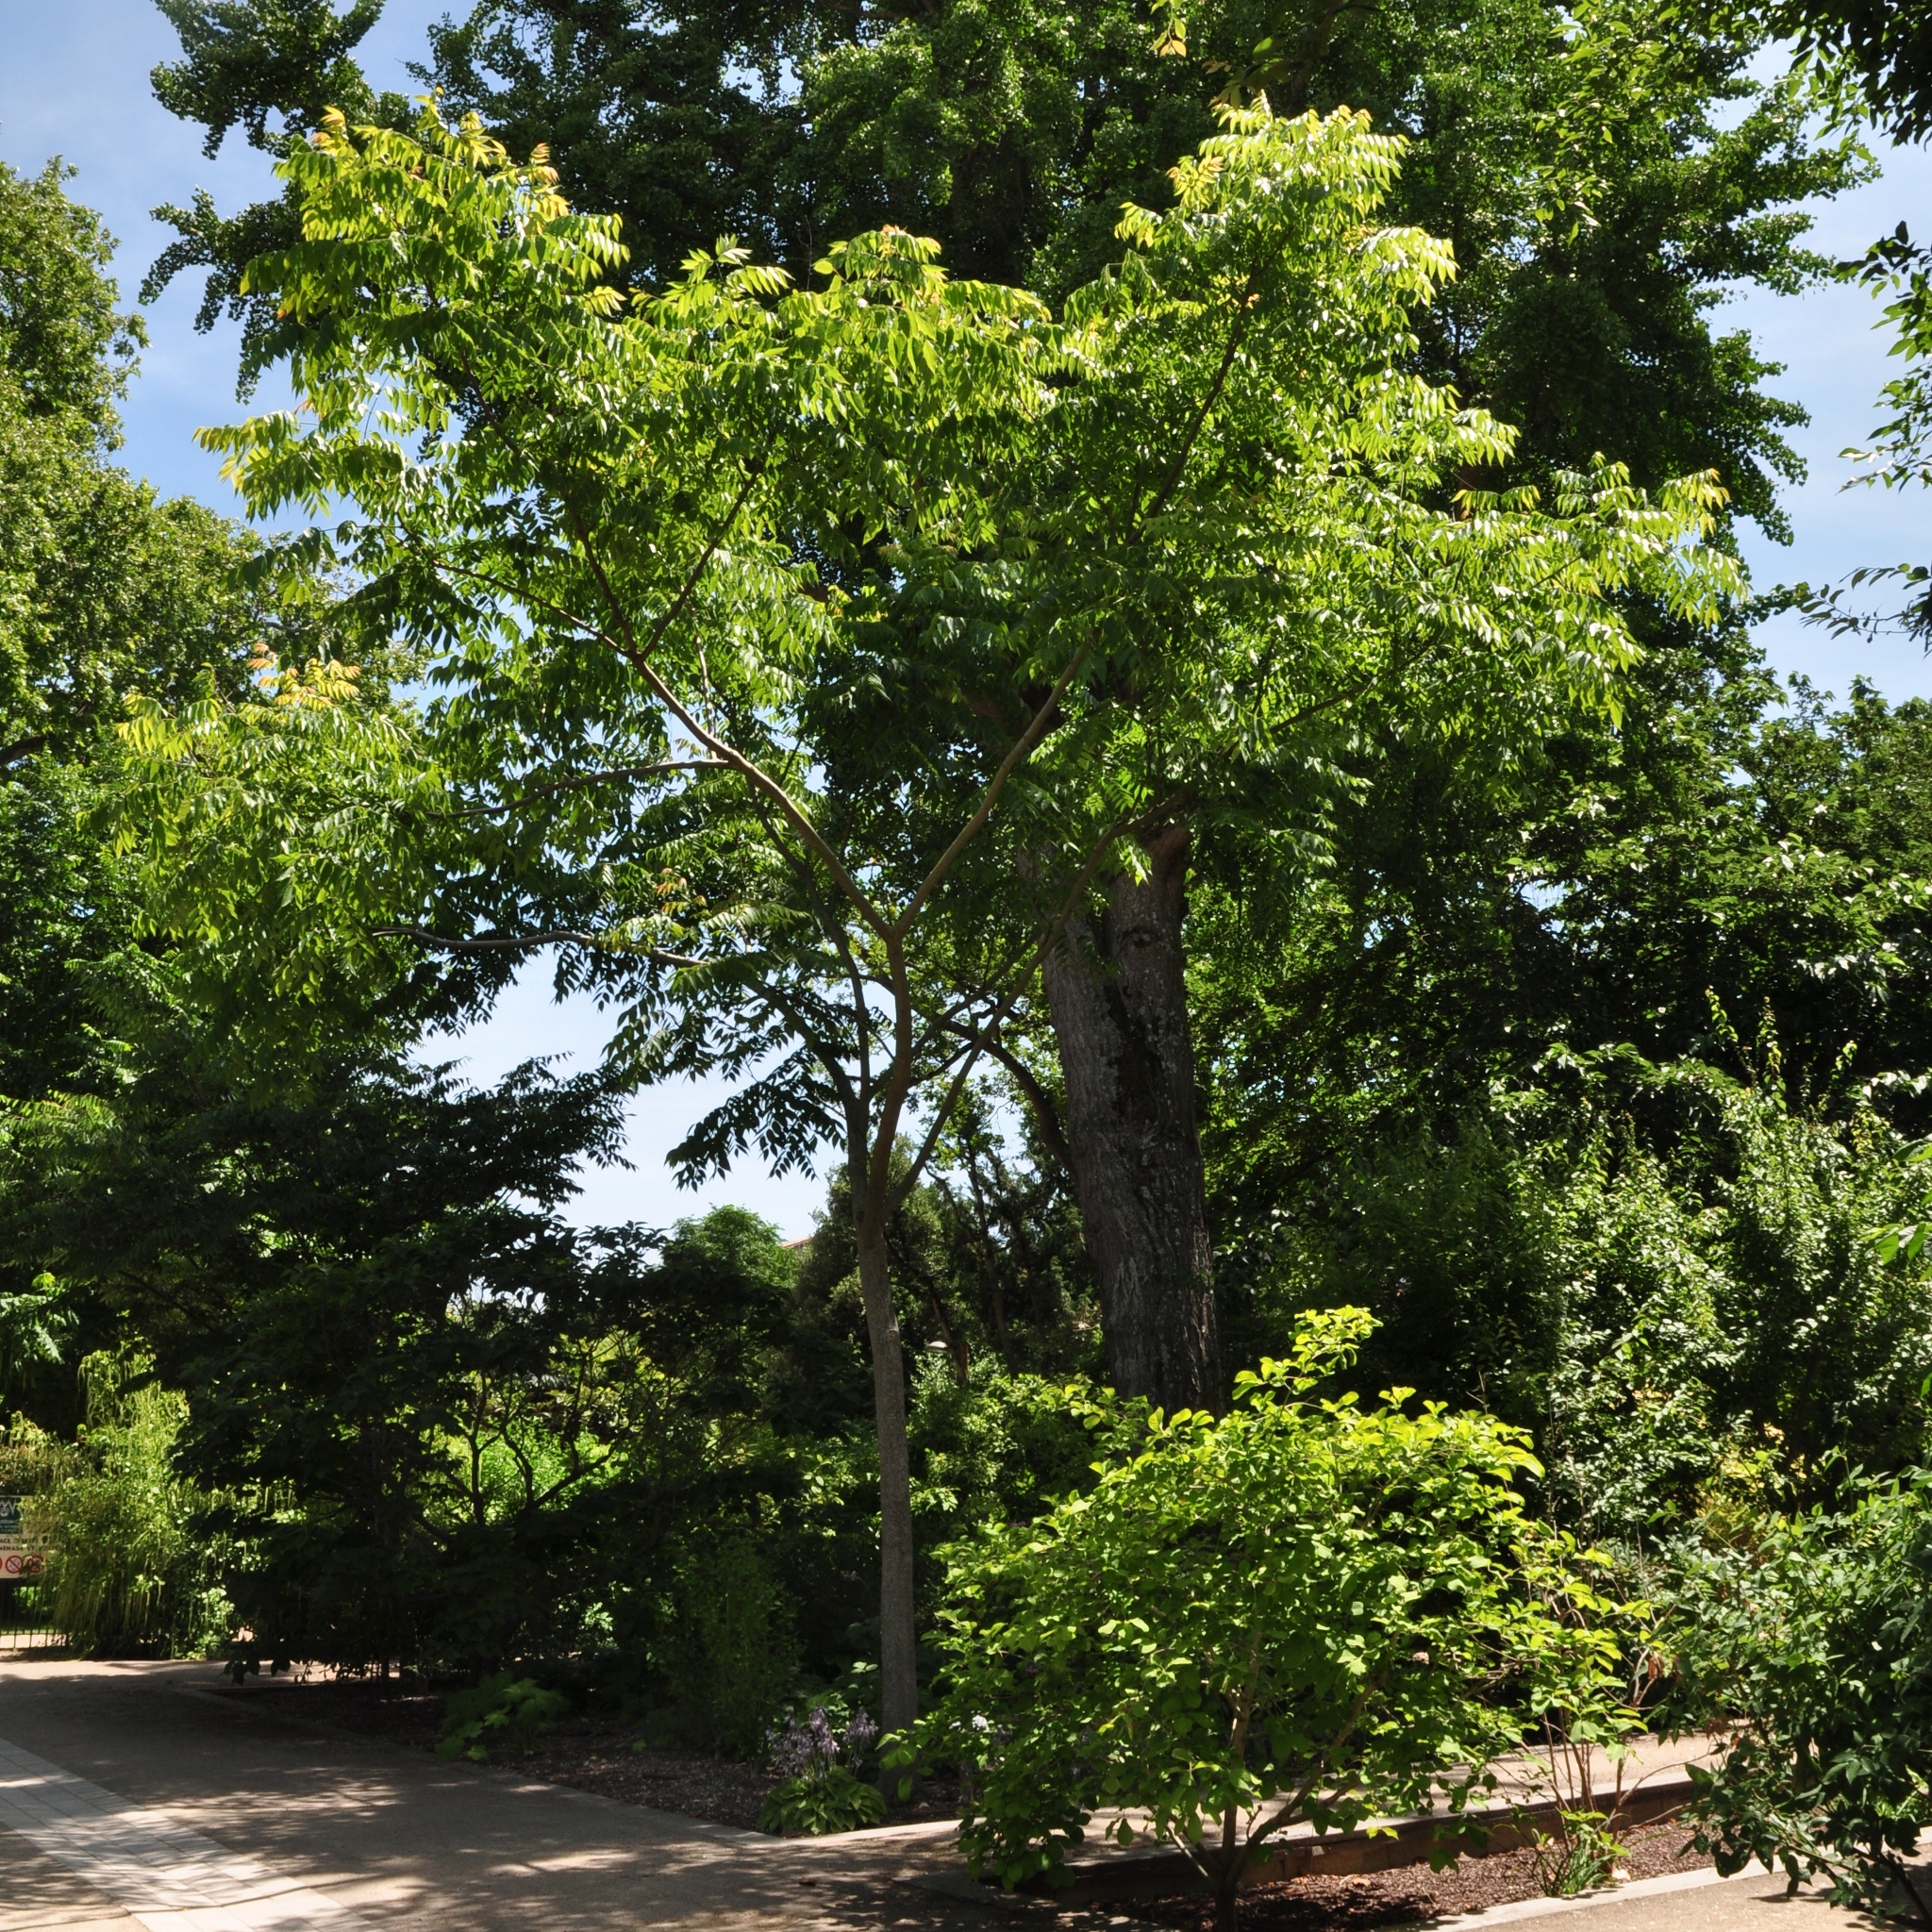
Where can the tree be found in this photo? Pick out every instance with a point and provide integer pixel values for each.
(712, 576)
(1478, 917)
(103, 590)
(1589, 167)
(1588, 265)
(1296, 1613)
(1597, 208)
(686, 122)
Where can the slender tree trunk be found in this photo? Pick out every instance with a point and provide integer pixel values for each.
(1118, 996)
(1227, 1899)
(899, 1656)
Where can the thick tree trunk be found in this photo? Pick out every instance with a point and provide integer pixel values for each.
(898, 1655)
(1119, 1002)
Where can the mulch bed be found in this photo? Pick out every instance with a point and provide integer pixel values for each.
(594, 1753)
(1405, 1896)
(590, 1752)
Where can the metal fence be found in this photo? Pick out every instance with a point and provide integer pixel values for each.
(16, 1640)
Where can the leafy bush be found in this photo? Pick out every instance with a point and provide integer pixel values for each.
(1669, 1310)
(1817, 1634)
(1004, 1445)
(1297, 1611)
(505, 1707)
(1749, 1316)
(130, 1567)
(729, 1652)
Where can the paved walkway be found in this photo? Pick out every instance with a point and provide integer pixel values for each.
(128, 1799)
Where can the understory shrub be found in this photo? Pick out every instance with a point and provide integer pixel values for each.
(1817, 1634)
(1676, 1311)
(728, 1655)
(1296, 1612)
(131, 1566)
(503, 1708)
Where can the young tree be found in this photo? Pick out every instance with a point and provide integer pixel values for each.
(591, 535)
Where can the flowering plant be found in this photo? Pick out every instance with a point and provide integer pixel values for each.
(818, 1759)
(803, 1749)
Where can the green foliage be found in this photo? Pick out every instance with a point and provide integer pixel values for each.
(1002, 1447)
(1701, 1306)
(103, 588)
(1607, 172)
(729, 1656)
(1581, 1854)
(1758, 1318)
(822, 1801)
(682, 122)
(504, 1710)
(1815, 1634)
(1585, 892)
(1597, 1666)
(446, 1427)
(1604, 172)
(1881, 53)
(1293, 1612)
(65, 353)
(272, 68)
(132, 1566)
(1900, 452)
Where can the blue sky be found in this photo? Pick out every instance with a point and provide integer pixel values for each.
(74, 80)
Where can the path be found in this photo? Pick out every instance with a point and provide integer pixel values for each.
(131, 1798)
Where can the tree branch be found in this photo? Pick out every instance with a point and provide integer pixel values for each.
(508, 942)
(1035, 731)
(616, 775)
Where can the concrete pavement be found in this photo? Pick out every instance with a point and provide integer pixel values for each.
(357, 1827)
(128, 1799)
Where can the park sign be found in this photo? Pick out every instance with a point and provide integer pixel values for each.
(16, 1561)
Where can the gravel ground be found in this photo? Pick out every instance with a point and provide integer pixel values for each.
(1407, 1895)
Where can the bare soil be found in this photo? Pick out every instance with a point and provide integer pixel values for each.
(1409, 1894)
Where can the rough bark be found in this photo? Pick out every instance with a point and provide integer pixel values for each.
(1118, 996)
(898, 1653)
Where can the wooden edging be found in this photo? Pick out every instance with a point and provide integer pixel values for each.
(1141, 1871)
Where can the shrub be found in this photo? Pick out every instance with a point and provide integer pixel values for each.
(729, 1654)
(505, 1708)
(129, 1567)
(1817, 1634)
(1297, 1611)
